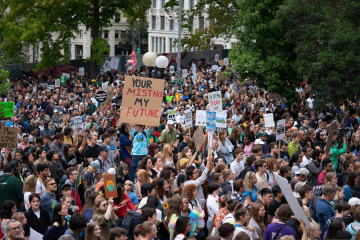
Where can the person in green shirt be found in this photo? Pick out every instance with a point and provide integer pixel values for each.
(162, 125)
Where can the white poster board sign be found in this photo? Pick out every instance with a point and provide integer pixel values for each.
(77, 122)
(269, 120)
(107, 66)
(188, 118)
(280, 129)
(193, 69)
(184, 73)
(104, 86)
(114, 63)
(102, 71)
(57, 82)
(221, 119)
(200, 118)
(67, 75)
(34, 89)
(215, 67)
(216, 57)
(290, 198)
(171, 115)
(172, 69)
(81, 71)
(226, 61)
(215, 103)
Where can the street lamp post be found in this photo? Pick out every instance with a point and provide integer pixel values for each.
(162, 62)
(171, 18)
(179, 38)
(149, 59)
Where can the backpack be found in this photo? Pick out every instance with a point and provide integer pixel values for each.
(88, 191)
(327, 225)
(243, 173)
(339, 177)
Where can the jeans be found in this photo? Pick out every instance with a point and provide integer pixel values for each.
(208, 224)
(119, 222)
(134, 164)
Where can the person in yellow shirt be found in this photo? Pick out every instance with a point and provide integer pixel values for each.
(68, 132)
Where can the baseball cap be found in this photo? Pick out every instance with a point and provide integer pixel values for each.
(302, 171)
(170, 122)
(42, 110)
(259, 141)
(65, 185)
(262, 109)
(111, 171)
(354, 201)
(96, 165)
(299, 185)
(15, 120)
(55, 110)
(103, 148)
(260, 134)
(305, 117)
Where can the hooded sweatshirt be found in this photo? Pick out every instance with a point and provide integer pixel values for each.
(131, 220)
(10, 189)
(353, 228)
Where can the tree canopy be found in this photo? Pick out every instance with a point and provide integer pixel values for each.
(51, 23)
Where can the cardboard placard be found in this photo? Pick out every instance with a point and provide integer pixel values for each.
(109, 92)
(172, 69)
(6, 109)
(171, 115)
(104, 86)
(199, 138)
(81, 71)
(215, 102)
(184, 73)
(8, 137)
(57, 82)
(200, 118)
(216, 57)
(269, 120)
(65, 117)
(226, 62)
(221, 119)
(110, 185)
(280, 129)
(77, 122)
(142, 99)
(221, 63)
(188, 118)
(330, 137)
(199, 74)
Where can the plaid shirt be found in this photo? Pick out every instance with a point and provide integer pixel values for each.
(235, 196)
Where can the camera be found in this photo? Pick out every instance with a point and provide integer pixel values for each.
(344, 132)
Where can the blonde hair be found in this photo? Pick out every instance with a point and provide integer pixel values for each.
(144, 175)
(221, 137)
(315, 226)
(328, 178)
(165, 150)
(30, 184)
(97, 205)
(247, 181)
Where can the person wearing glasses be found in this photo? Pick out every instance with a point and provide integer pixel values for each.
(12, 229)
(104, 216)
(48, 198)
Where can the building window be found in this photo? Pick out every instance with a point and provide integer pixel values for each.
(106, 34)
(116, 34)
(107, 54)
(183, 4)
(171, 24)
(118, 17)
(153, 22)
(79, 34)
(152, 44)
(161, 45)
(37, 49)
(157, 45)
(170, 44)
(164, 41)
(191, 3)
(162, 3)
(79, 51)
(201, 22)
(153, 5)
(162, 22)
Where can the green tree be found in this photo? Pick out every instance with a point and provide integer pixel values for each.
(51, 23)
(127, 36)
(220, 17)
(4, 75)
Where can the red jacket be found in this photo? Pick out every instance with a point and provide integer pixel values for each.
(77, 200)
(121, 212)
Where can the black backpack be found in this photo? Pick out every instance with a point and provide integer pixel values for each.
(339, 177)
(244, 172)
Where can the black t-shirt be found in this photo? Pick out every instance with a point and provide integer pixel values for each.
(91, 152)
(274, 205)
(181, 146)
(258, 119)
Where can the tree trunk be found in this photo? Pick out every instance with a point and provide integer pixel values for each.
(95, 30)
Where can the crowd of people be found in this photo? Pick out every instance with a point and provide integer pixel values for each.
(52, 185)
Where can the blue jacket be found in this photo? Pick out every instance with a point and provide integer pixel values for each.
(324, 211)
(124, 141)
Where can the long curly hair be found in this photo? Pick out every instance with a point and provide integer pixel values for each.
(175, 207)
(30, 184)
(255, 215)
(188, 191)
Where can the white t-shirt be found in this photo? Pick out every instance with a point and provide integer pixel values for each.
(212, 205)
(310, 102)
(40, 187)
(236, 167)
(180, 119)
(37, 213)
(26, 199)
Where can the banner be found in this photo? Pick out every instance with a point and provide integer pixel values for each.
(188, 118)
(269, 120)
(81, 71)
(177, 80)
(211, 121)
(215, 104)
(8, 137)
(171, 115)
(221, 119)
(77, 122)
(6, 109)
(142, 99)
(280, 129)
(57, 82)
(110, 186)
(200, 118)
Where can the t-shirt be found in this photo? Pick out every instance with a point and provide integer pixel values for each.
(321, 178)
(26, 199)
(48, 202)
(273, 206)
(91, 152)
(236, 167)
(67, 232)
(273, 228)
(180, 119)
(181, 146)
(40, 187)
(253, 195)
(133, 198)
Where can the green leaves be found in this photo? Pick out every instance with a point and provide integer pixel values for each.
(4, 75)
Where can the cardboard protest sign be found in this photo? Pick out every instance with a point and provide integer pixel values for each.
(331, 134)
(8, 137)
(110, 186)
(65, 116)
(221, 76)
(188, 118)
(142, 99)
(221, 63)
(226, 61)
(77, 122)
(49, 87)
(101, 96)
(62, 80)
(280, 129)
(216, 57)
(294, 204)
(199, 138)
(200, 118)
(102, 71)
(57, 82)
(6, 109)
(211, 121)
(171, 115)
(81, 71)
(172, 69)
(199, 74)
(104, 86)
(215, 103)
(109, 92)
(184, 73)
(269, 120)
(114, 63)
(221, 119)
